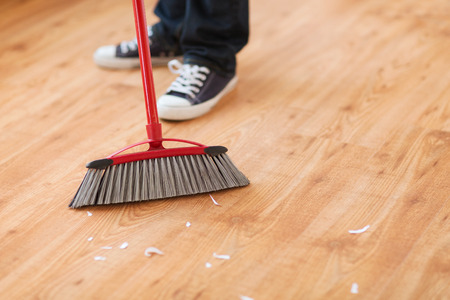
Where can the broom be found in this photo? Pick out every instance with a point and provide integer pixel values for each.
(158, 172)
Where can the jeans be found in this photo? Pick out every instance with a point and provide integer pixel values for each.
(209, 32)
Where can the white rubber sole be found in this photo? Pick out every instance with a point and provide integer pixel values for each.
(175, 109)
(105, 57)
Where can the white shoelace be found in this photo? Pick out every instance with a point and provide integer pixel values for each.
(126, 46)
(190, 79)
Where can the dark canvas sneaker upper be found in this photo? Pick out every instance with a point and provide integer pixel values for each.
(157, 47)
(196, 90)
(126, 55)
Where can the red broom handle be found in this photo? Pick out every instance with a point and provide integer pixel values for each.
(154, 131)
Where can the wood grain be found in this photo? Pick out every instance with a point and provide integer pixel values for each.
(341, 119)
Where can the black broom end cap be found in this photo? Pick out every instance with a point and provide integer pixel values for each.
(215, 150)
(99, 163)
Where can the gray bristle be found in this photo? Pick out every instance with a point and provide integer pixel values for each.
(158, 178)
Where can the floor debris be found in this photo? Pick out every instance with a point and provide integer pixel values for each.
(124, 245)
(245, 298)
(89, 213)
(208, 265)
(214, 201)
(90, 239)
(152, 250)
(188, 224)
(107, 248)
(359, 230)
(221, 256)
(99, 258)
(354, 289)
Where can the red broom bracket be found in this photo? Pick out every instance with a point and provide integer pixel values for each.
(154, 133)
(160, 151)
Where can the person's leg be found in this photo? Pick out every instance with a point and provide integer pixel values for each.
(171, 15)
(214, 31)
(163, 37)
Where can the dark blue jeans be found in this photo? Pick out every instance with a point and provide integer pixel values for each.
(209, 32)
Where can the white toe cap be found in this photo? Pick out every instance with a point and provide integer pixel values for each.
(172, 101)
(105, 52)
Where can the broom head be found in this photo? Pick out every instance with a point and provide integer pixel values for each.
(157, 173)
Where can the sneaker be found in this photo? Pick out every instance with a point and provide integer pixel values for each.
(196, 90)
(126, 55)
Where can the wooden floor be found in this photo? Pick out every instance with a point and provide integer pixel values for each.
(341, 119)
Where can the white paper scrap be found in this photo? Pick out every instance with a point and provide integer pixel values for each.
(214, 201)
(221, 256)
(188, 224)
(107, 247)
(245, 298)
(359, 230)
(152, 250)
(99, 258)
(90, 239)
(124, 245)
(89, 213)
(208, 265)
(354, 289)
